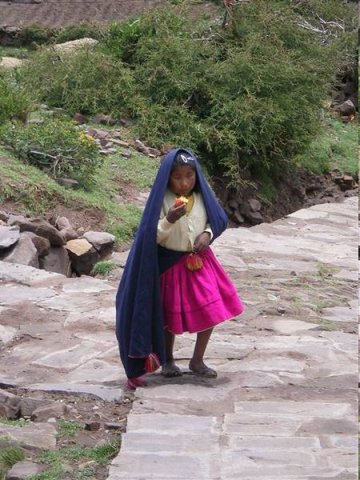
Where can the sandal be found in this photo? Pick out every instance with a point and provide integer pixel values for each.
(170, 370)
(204, 371)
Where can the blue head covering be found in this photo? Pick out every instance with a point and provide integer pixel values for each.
(139, 316)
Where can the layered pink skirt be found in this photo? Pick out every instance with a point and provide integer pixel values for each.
(194, 301)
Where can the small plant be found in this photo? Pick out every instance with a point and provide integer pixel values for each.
(11, 455)
(324, 270)
(103, 268)
(18, 423)
(14, 102)
(68, 429)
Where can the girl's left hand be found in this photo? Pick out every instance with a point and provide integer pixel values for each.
(202, 242)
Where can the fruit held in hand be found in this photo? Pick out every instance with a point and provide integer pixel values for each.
(181, 201)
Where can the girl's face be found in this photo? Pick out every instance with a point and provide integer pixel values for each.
(182, 180)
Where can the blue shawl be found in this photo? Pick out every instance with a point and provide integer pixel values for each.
(139, 316)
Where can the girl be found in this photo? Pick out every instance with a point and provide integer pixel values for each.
(172, 282)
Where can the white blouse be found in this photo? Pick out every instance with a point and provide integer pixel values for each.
(181, 235)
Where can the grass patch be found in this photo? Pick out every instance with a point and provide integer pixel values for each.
(59, 460)
(16, 423)
(103, 268)
(68, 429)
(36, 193)
(15, 52)
(11, 455)
(336, 147)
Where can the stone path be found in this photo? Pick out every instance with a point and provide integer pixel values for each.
(284, 403)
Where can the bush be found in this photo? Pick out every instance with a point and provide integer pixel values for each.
(34, 35)
(248, 97)
(56, 146)
(79, 30)
(86, 81)
(14, 102)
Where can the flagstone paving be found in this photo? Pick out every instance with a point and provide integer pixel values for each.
(284, 403)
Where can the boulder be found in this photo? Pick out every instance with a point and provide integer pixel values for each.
(23, 470)
(83, 256)
(41, 244)
(8, 236)
(101, 241)
(9, 405)
(42, 228)
(254, 204)
(57, 261)
(23, 253)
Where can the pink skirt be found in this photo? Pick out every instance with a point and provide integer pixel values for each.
(194, 301)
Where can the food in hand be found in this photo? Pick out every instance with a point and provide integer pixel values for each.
(181, 201)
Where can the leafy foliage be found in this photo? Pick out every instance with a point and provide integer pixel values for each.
(14, 102)
(86, 81)
(56, 146)
(248, 97)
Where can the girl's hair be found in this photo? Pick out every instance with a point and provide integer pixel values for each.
(183, 159)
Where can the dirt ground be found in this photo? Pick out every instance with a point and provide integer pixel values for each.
(61, 13)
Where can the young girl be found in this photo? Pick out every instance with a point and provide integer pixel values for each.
(172, 282)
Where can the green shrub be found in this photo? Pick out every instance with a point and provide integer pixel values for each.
(14, 102)
(78, 30)
(56, 146)
(34, 35)
(86, 81)
(248, 97)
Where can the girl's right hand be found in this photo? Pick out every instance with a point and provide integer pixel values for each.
(175, 213)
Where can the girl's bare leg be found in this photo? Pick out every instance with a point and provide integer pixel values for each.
(197, 364)
(169, 369)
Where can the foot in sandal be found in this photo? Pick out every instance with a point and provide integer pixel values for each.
(202, 370)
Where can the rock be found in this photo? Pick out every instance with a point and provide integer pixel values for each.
(9, 405)
(53, 410)
(69, 47)
(233, 204)
(42, 228)
(119, 258)
(57, 261)
(347, 108)
(61, 223)
(34, 436)
(103, 119)
(93, 426)
(126, 154)
(140, 147)
(120, 143)
(23, 253)
(101, 241)
(99, 134)
(79, 118)
(29, 404)
(154, 151)
(237, 217)
(4, 216)
(254, 204)
(41, 244)
(68, 182)
(23, 470)
(8, 236)
(10, 62)
(68, 234)
(14, 219)
(83, 255)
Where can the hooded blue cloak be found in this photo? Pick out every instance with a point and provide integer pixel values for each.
(139, 315)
